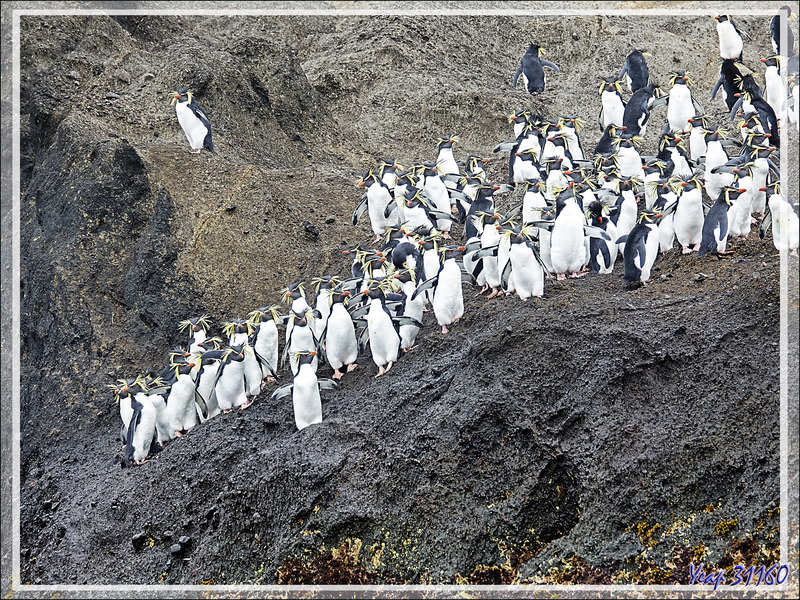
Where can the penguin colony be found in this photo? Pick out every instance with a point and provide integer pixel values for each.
(577, 214)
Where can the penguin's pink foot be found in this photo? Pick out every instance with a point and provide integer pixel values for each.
(178, 434)
(696, 248)
(194, 151)
(410, 348)
(446, 235)
(686, 250)
(245, 405)
(445, 329)
(495, 293)
(337, 375)
(352, 367)
(579, 274)
(389, 366)
(263, 385)
(561, 277)
(483, 289)
(270, 379)
(381, 371)
(140, 462)
(742, 237)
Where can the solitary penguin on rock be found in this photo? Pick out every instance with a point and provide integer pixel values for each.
(193, 120)
(305, 391)
(531, 68)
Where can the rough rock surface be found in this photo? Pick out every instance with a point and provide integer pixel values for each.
(596, 435)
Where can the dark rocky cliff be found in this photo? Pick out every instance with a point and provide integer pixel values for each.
(595, 435)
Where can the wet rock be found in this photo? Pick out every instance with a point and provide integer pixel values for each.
(184, 540)
(176, 549)
(311, 228)
(139, 540)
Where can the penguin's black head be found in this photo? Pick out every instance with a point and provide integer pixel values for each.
(446, 142)
(521, 116)
(689, 184)
(306, 358)
(731, 193)
(678, 78)
(770, 61)
(237, 352)
(181, 95)
(649, 216)
(722, 18)
(293, 291)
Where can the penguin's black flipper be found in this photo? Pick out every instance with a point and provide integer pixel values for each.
(450, 177)
(622, 240)
(624, 70)
(282, 391)
(736, 107)
(546, 225)
(776, 172)
(425, 285)
(363, 338)
(706, 208)
(472, 246)
(592, 231)
(716, 86)
(766, 222)
(549, 65)
(468, 278)
(477, 270)
(505, 146)
(198, 398)
(327, 384)
(390, 208)
(659, 102)
(438, 214)
(359, 312)
(484, 252)
(669, 209)
(698, 107)
(517, 74)
(600, 119)
(264, 362)
(362, 206)
(406, 320)
(506, 275)
(534, 246)
(136, 418)
(514, 212)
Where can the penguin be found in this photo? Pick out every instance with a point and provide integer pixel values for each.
(483, 203)
(782, 217)
(305, 390)
(530, 67)
(124, 391)
(777, 26)
(475, 167)
(637, 111)
(629, 161)
(728, 82)
(156, 390)
(198, 330)
(766, 115)
(295, 295)
(183, 399)
(410, 308)
(446, 162)
(625, 217)
(489, 241)
(139, 426)
(715, 226)
(526, 166)
(382, 326)
(635, 70)
(388, 172)
(716, 156)
(654, 170)
(602, 254)
(641, 249)
(322, 289)
(665, 199)
(555, 179)
(524, 261)
(739, 220)
(671, 149)
(606, 145)
(419, 215)
(775, 92)
(229, 387)
(689, 213)
(611, 102)
(438, 196)
(681, 105)
(570, 129)
(300, 338)
(238, 332)
(700, 126)
(205, 376)
(193, 120)
(556, 146)
(265, 321)
(339, 336)
(429, 248)
(533, 202)
(448, 298)
(731, 45)
(376, 199)
(503, 253)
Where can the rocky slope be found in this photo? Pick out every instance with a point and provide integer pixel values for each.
(594, 435)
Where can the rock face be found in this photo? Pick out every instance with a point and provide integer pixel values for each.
(594, 435)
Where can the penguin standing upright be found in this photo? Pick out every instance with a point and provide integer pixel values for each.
(323, 286)
(229, 388)
(339, 336)
(728, 83)
(531, 68)
(140, 427)
(448, 298)
(689, 213)
(305, 391)
(265, 322)
(681, 105)
(384, 338)
(700, 125)
(567, 249)
(602, 254)
(239, 332)
(193, 120)
(715, 226)
(198, 331)
(410, 308)
(775, 92)
(182, 399)
(641, 249)
(529, 270)
(612, 104)
(446, 162)
(626, 215)
(299, 338)
(376, 200)
(637, 111)
(635, 70)
(731, 44)
(438, 195)
(782, 217)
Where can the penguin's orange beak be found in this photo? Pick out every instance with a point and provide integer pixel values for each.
(762, 189)
(743, 190)
(360, 184)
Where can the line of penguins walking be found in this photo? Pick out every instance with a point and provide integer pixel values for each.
(577, 213)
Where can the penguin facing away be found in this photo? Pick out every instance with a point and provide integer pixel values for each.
(635, 70)
(193, 120)
(715, 226)
(531, 68)
(641, 249)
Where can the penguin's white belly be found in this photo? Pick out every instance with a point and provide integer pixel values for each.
(448, 300)
(384, 341)
(697, 143)
(324, 308)
(688, 219)
(181, 409)
(730, 43)
(305, 398)
(613, 109)
(491, 273)
(785, 225)
(415, 217)
(146, 429)
(613, 249)
(252, 372)
(651, 253)
(532, 205)
(267, 346)
(437, 192)
(680, 108)
(626, 221)
(378, 198)
(193, 127)
(414, 308)
(739, 220)
(666, 233)
(163, 426)
(567, 250)
(630, 163)
(775, 92)
(528, 273)
(230, 387)
(760, 171)
(341, 346)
